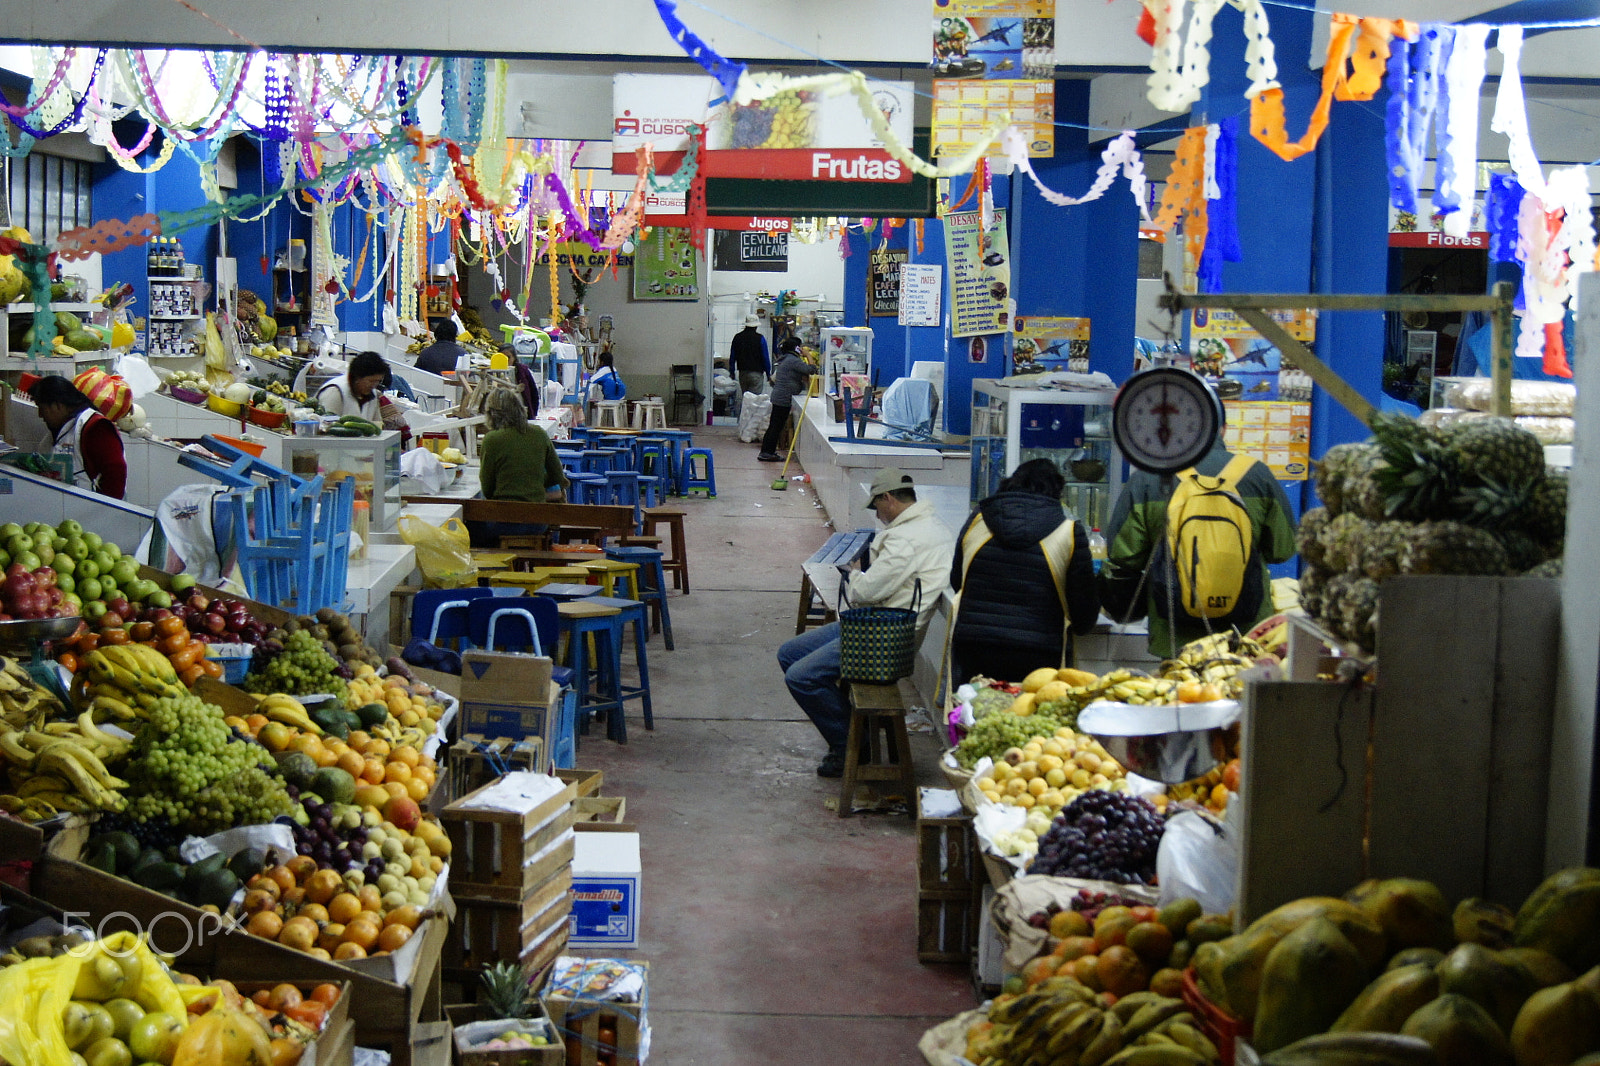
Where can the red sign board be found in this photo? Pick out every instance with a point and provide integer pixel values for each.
(1434, 239)
(748, 223)
(806, 164)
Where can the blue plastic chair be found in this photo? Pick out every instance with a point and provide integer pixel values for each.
(443, 613)
(512, 624)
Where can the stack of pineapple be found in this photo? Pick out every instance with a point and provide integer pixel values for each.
(1468, 498)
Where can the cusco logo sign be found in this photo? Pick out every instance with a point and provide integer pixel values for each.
(628, 126)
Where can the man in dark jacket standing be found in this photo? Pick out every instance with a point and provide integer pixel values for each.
(1025, 578)
(444, 352)
(791, 376)
(748, 357)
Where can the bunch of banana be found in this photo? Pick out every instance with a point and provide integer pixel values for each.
(1144, 691)
(398, 735)
(1062, 1023)
(62, 767)
(281, 707)
(123, 681)
(1198, 790)
(23, 704)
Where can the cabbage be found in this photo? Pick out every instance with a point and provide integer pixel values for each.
(238, 392)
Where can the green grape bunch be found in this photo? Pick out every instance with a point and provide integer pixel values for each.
(996, 733)
(188, 768)
(302, 668)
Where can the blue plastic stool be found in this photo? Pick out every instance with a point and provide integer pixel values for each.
(578, 623)
(652, 591)
(652, 490)
(588, 488)
(681, 440)
(707, 482)
(624, 492)
(655, 455)
(633, 611)
(571, 462)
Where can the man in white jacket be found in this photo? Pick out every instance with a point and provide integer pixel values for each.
(913, 546)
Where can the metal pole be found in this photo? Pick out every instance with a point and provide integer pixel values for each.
(1503, 346)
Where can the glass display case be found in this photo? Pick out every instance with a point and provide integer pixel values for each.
(1071, 429)
(846, 350)
(373, 461)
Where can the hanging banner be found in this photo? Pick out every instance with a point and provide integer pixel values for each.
(580, 255)
(657, 109)
(1409, 230)
(920, 294)
(1244, 364)
(980, 273)
(994, 39)
(666, 267)
(1050, 343)
(1276, 433)
(738, 250)
(883, 282)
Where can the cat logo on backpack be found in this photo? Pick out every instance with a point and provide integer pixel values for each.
(1211, 540)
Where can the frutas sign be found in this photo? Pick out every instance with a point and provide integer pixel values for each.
(807, 164)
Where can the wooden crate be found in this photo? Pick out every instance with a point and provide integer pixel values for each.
(580, 1022)
(489, 931)
(555, 1054)
(602, 814)
(475, 759)
(335, 1045)
(490, 849)
(950, 878)
(587, 782)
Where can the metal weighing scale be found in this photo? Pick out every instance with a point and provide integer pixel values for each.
(25, 639)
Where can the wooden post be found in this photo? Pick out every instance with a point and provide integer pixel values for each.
(1503, 347)
(1320, 372)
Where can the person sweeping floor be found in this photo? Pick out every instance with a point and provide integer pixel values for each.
(791, 376)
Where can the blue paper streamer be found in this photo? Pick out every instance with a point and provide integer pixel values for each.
(1413, 83)
(1503, 207)
(1222, 233)
(1446, 197)
(725, 71)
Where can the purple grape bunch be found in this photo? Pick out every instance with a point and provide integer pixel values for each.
(1102, 836)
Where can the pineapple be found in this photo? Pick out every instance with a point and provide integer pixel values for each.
(1313, 586)
(1359, 613)
(1452, 548)
(1522, 552)
(1363, 495)
(1341, 541)
(1547, 509)
(1418, 478)
(1494, 506)
(1379, 550)
(505, 990)
(1331, 471)
(1334, 593)
(1312, 523)
(1548, 568)
(1495, 449)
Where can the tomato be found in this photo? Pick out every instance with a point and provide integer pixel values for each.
(142, 631)
(68, 660)
(187, 656)
(190, 675)
(166, 627)
(113, 635)
(326, 994)
(88, 642)
(308, 1012)
(176, 642)
(211, 668)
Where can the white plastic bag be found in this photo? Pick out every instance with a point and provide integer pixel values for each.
(755, 412)
(1199, 859)
(135, 370)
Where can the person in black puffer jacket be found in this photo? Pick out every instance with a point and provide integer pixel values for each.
(1019, 560)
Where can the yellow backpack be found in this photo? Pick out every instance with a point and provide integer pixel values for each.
(1209, 565)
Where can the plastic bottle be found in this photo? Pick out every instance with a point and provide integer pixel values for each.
(360, 524)
(1097, 545)
(177, 258)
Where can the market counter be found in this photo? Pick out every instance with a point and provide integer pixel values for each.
(372, 579)
(841, 471)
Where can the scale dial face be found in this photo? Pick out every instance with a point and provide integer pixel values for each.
(1165, 419)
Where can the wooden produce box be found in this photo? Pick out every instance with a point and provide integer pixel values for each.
(385, 1010)
(490, 849)
(587, 782)
(271, 614)
(950, 880)
(490, 931)
(476, 759)
(602, 814)
(581, 1022)
(465, 1017)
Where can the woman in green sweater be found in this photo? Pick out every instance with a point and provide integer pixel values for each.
(516, 462)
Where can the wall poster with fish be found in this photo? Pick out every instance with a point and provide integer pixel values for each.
(992, 57)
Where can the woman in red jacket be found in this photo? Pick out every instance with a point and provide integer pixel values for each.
(83, 433)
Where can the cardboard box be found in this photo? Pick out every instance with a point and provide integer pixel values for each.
(606, 876)
(508, 696)
(581, 1018)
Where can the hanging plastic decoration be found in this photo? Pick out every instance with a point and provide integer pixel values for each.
(1413, 92)
(1511, 113)
(1222, 210)
(725, 71)
(1184, 195)
(1180, 65)
(1456, 134)
(1502, 208)
(1121, 154)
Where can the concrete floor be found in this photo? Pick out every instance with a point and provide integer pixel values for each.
(774, 929)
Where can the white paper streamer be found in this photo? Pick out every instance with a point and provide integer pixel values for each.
(1543, 286)
(1175, 84)
(1511, 114)
(1121, 154)
(1458, 135)
(1569, 190)
(1213, 191)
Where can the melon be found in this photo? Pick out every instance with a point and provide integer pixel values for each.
(267, 327)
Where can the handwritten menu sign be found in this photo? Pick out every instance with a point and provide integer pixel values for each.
(920, 285)
(883, 284)
(980, 273)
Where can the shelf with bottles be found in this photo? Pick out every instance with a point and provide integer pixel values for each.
(164, 259)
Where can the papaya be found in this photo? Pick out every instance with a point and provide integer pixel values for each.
(1478, 921)
(1562, 916)
(1360, 929)
(1543, 968)
(223, 1037)
(1555, 1026)
(1354, 1049)
(1412, 912)
(1461, 1032)
(67, 322)
(1385, 1004)
(84, 341)
(1308, 980)
(13, 285)
(1498, 986)
(266, 327)
(1430, 957)
(1233, 969)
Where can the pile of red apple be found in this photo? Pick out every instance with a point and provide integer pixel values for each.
(29, 594)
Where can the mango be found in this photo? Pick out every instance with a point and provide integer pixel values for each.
(1562, 916)
(1038, 679)
(1385, 1004)
(1461, 1032)
(1309, 978)
(1555, 1026)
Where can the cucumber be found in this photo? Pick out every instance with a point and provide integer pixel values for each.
(343, 431)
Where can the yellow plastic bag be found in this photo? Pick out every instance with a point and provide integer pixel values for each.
(444, 553)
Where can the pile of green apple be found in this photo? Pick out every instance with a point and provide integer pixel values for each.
(107, 1026)
(91, 575)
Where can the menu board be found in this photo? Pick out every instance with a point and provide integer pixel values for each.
(920, 294)
(883, 282)
(750, 250)
(1276, 432)
(980, 273)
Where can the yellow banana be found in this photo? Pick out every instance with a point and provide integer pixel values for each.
(1147, 1017)
(1157, 1055)
(12, 748)
(69, 756)
(39, 783)
(1193, 1039)
(1105, 1043)
(1074, 1034)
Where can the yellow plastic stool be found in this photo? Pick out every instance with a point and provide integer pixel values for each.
(538, 577)
(609, 570)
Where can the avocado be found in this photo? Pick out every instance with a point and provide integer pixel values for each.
(197, 872)
(102, 856)
(372, 714)
(217, 888)
(330, 720)
(124, 846)
(160, 876)
(296, 768)
(351, 720)
(248, 863)
(147, 858)
(334, 785)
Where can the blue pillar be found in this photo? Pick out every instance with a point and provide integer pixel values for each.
(1083, 260)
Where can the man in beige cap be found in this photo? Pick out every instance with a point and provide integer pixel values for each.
(748, 358)
(913, 546)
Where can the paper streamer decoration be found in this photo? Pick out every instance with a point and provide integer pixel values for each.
(1568, 190)
(1511, 113)
(725, 71)
(1503, 206)
(1358, 50)
(1456, 134)
(1222, 221)
(1186, 182)
(1121, 154)
(1413, 91)
(1180, 66)
(754, 87)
